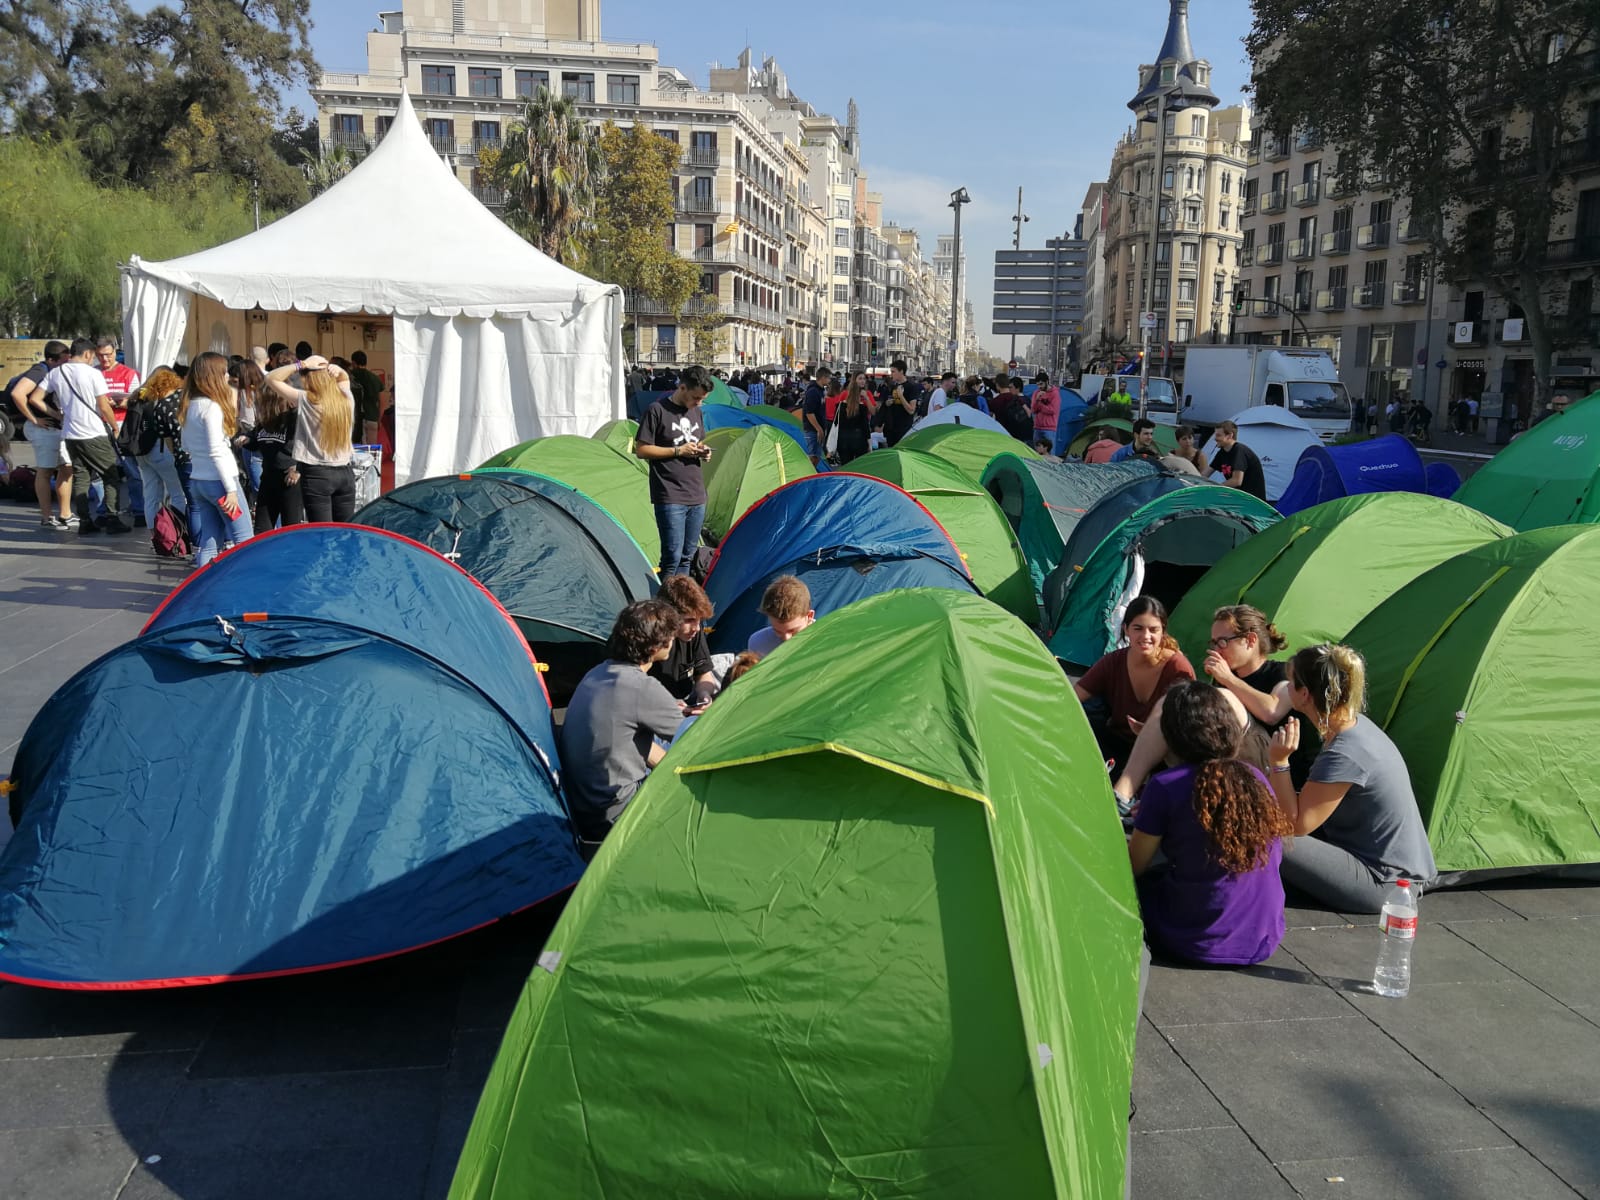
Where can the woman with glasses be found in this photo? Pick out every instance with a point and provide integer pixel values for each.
(1130, 682)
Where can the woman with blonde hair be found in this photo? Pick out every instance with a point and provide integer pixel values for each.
(209, 422)
(1357, 823)
(322, 451)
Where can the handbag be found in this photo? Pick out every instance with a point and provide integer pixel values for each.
(833, 440)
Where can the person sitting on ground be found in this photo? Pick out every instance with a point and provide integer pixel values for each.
(1188, 458)
(1130, 680)
(690, 672)
(787, 606)
(1357, 823)
(609, 738)
(1238, 465)
(1105, 445)
(1143, 444)
(1218, 897)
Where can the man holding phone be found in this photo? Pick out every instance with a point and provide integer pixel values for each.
(671, 439)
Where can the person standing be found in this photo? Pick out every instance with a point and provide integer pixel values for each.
(1046, 408)
(853, 418)
(210, 420)
(321, 437)
(671, 439)
(122, 381)
(897, 407)
(157, 455)
(813, 414)
(943, 394)
(369, 388)
(1237, 463)
(87, 424)
(44, 435)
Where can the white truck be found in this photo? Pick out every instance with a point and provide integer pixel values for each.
(1097, 389)
(1220, 381)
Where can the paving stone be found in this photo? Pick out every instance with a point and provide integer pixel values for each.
(1560, 1133)
(1542, 953)
(1168, 1094)
(384, 1170)
(469, 1067)
(1507, 1171)
(47, 1023)
(130, 1091)
(1464, 904)
(1203, 1164)
(1279, 989)
(1345, 957)
(1540, 900)
(1317, 1089)
(51, 1164)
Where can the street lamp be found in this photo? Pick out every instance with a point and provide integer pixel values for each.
(1018, 222)
(957, 199)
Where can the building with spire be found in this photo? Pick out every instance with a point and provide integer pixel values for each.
(1198, 151)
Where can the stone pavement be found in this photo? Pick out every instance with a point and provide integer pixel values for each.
(1280, 1080)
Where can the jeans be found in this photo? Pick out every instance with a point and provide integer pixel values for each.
(217, 531)
(94, 459)
(252, 469)
(328, 493)
(1332, 876)
(191, 509)
(679, 527)
(158, 475)
(132, 485)
(812, 445)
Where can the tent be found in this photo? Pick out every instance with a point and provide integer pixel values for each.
(1278, 437)
(1318, 573)
(1044, 500)
(759, 461)
(866, 932)
(1481, 672)
(724, 416)
(956, 413)
(493, 342)
(557, 561)
(1444, 481)
(1386, 464)
(1069, 421)
(1166, 435)
(1549, 475)
(328, 746)
(846, 536)
(971, 518)
(618, 483)
(721, 393)
(618, 434)
(968, 449)
(1160, 548)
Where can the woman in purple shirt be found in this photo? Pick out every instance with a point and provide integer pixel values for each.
(1217, 898)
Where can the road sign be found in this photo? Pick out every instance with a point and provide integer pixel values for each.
(1147, 320)
(950, 345)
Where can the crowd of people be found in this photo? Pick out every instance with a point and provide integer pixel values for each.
(202, 454)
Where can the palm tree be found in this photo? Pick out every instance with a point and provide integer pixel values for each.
(324, 170)
(551, 169)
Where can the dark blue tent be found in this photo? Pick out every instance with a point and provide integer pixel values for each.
(554, 558)
(723, 416)
(328, 746)
(846, 536)
(1386, 464)
(1443, 480)
(1069, 424)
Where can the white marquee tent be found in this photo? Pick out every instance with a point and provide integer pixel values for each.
(494, 343)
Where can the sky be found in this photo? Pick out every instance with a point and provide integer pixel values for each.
(988, 96)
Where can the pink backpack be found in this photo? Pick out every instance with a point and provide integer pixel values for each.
(170, 537)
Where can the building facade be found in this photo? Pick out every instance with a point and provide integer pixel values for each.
(1091, 228)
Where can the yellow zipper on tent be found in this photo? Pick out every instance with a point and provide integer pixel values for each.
(849, 752)
(1416, 663)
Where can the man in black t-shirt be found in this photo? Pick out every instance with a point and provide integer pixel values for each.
(1237, 463)
(896, 416)
(671, 439)
(814, 414)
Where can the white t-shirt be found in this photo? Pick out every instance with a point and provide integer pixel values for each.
(307, 430)
(77, 387)
(937, 401)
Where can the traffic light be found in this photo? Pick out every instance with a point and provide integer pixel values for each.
(1238, 301)
(872, 345)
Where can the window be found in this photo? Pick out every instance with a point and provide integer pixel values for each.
(1275, 233)
(1222, 219)
(1163, 252)
(703, 139)
(528, 85)
(1198, 127)
(486, 135)
(667, 339)
(1271, 287)
(841, 236)
(1343, 218)
(383, 125)
(1308, 227)
(702, 189)
(347, 123)
(708, 284)
(1188, 179)
(1377, 272)
(1189, 252)
(622, 89)
(1185, 330)
(442, 133)
(1227, 184)
(841, 293)
(483, 81)
(1185, 291)
(1216, 290)
(841, 264)
(438, 81)
(1191, 212)
(1167, 73)
(1380, 211)
(704, 235)
(1172, 124)
(1163, 286)
(1302, 286)
(841, 209)
(670, 134)
(1580, 299)
(577, 86)
(1167, 179)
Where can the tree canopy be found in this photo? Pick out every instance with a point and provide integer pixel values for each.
(633, 216)
(550, 167)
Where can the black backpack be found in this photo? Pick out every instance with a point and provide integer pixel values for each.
(138, 434)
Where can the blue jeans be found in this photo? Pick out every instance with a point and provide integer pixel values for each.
(217, 531)
(252, 469)
(191, 510)
(679, 527)
(811, 444)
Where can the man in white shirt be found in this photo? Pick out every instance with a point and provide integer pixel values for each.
(87, 419)
(944, 393)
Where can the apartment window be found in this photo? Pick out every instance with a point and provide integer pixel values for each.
(382, 125)
(841, 209)
(1186, 291)
(670, 134)
(704, 235)
(703, 139)
(702, 188)
(667, 339)
(1280, 182)
(1308, 227)
(441, 132)
(1227, 183)
(1216, 290)
(1271, 287)
(1163, 289)
(1275, 233)
(1380, 211)
(1167, 177)
(1413, 268)
(841, 293)
(708, 284)
(1302, 284)
(1198, 127)
(1222, 219)
(1185, 330)
(346, 123)
(622, 89)
(1342, 219)
(438, 81)
(483, 81)
(1580, 299)
(529, 84)
(486, 135)
(575, 86)
(1191, 212)
(1189, 252)
(1172, 124)
(841, 264)
(841, 237)
(1163, 252)
(1377, 272)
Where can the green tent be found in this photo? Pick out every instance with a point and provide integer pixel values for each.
(618, 483)
(1549, 476)
(759, 461)
(1317, 573)
(618, 434)
(973, 521)
(1044, 500)
(868, 930)
(721, 393)
(771, 412)
(720, 440)
(971, 450)
(1166, 435)
(1482, 671)
(1159, 549)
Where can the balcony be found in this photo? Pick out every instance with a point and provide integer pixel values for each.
(1572, 251)
(1337, 242)
(1342, 186)
(1274, 149)
(702, 156)
(1253, 155)
(1308, 139)
(1269, 255)
(1373, 237)
(1275, 202)
(1514, 332)
(693, 205)
(1411, 230)
(696, 306)
(1581, 152)
(1301, 249)
(1367, 295)
(1331, 300)
(1468, 333)
(479, 145)
(349, 141)
(490, 197)
(1409, 291)
(1304, 195)
(1300, 302)
(1247, 207)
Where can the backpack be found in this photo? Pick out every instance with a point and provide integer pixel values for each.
(138, 434)
(170, 537)
(19, 484)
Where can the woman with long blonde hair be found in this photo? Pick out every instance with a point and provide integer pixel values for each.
(326, 409)
(210, 420)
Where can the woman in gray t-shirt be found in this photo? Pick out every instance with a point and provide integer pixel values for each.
(1357, 824)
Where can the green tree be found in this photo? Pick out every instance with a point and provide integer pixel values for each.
(1470, 109)
(633, 215)
(324, 170)
(551, 169)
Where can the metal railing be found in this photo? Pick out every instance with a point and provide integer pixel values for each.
(1336, 242)
(492, 197)
(1409, 291)
(1247, 206)
(1301, 249)
(1274, 149)
(1373, 237)
(1410, 230)
(1303, 195)
(1367, 295)
(701, 156)
(1331, 299)
(1300, 302)
(689, 203)
(1274, 202)
(1269, 255)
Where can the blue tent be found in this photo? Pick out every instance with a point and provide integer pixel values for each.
(846, 536)
(1070, 422)
(1443, 480)
(723, 416)
(1386, 464)
(557, 561)
(328, 746)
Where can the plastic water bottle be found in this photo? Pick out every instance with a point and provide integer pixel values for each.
(1398, 926)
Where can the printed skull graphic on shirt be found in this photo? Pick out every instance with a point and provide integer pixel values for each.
(684, 431)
